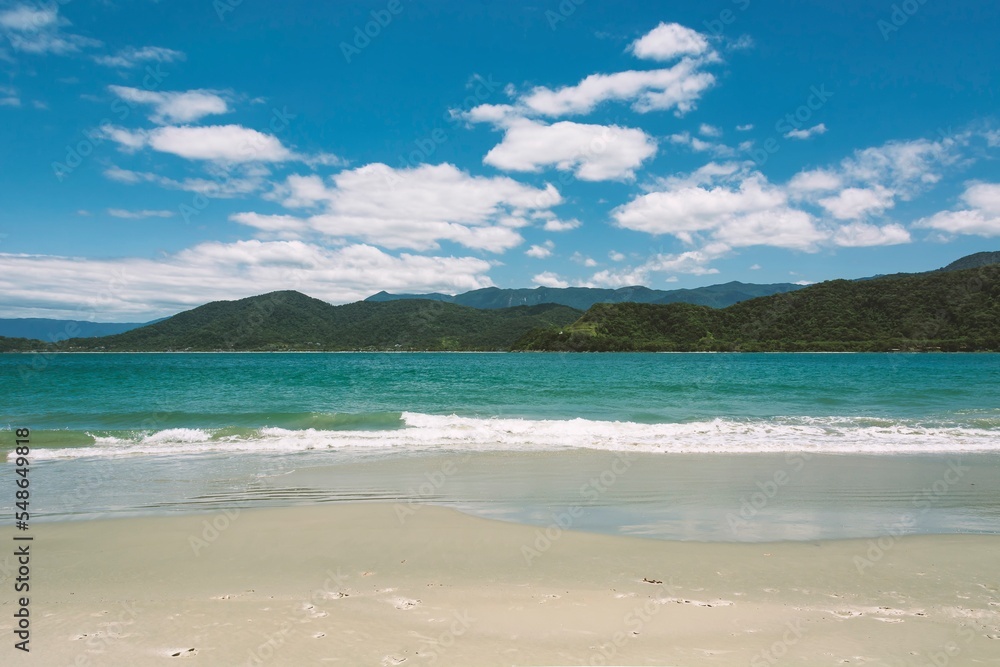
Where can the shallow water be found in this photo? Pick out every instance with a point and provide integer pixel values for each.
(717, 446)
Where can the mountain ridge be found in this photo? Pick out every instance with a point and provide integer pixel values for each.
(581, 298)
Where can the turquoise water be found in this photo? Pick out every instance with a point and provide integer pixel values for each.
(126, 433)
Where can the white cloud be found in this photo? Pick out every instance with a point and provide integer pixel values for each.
(175, 107)
(554, 224)
(541, 251)
(139, 215)
(693, 262)
(591, 152)
(905, 167)
(858, 234)
(678, 87)
(495, 114)
(708, 174)
(669, 41)
(756, 267)
(807, 183)
(744, 128)
(222, 143)
(707, 130)
(549, 279)
(134, 57)
(231, 182)
(38, 30)
(616, 256)
(614, 279)
(806, 133)
(857, 203)
(79, 288)
(282, 227)
(580, 258)
(26, 18)
(782, 227)
(419, 207)
(982, 218)
(755, 213)
(700, 145)
(984, 196)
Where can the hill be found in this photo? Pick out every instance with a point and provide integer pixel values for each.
(956, 310)
(293, 321)
(581, 298)
(39, 328)
(974, 261)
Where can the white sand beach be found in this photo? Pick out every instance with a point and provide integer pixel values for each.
(379, 584)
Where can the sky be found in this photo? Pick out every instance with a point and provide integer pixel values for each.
(160, 155)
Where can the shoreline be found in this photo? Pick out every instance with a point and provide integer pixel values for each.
(366, 584)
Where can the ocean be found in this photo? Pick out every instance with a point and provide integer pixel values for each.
(743, 447)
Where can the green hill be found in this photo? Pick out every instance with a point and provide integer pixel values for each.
(957, 310)
(293, 321)
(974, 261)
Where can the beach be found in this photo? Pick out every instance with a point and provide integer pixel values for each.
(360, 584)
(504, 510)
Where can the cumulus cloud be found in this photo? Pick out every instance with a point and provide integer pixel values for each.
(541, 251)
(175, 107)
(859, 234)
(753, 213)
(549, 279)
(554, 224)
(223, 143)
(591, 152)
(134, 288)
(417, 207)
(806, 133)
(806, 183)
(856, 203)
(678, 87)
(669, 41)
(905, 167)
(707, 130)
(981, 217)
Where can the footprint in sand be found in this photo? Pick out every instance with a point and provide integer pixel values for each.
(185, 654)
(404, 604)
(319, 635)
(390, 660)
(311, 610)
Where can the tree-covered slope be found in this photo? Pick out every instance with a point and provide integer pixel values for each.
(957, 310)
(291, 320)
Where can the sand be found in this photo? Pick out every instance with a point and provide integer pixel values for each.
(384, 584)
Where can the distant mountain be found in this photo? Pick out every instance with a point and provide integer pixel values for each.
(974, 261)
(293, 321)
(953, 310)
(54, 330)
(582, 298)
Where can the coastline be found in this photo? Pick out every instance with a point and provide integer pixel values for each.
(367, 584)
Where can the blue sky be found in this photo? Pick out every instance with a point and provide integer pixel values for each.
(159, 155)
